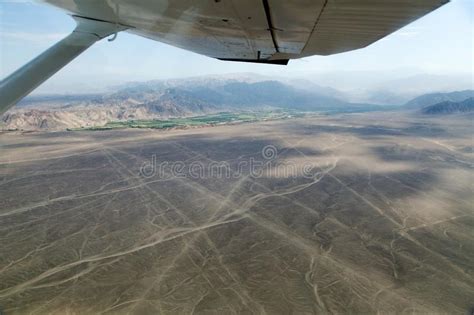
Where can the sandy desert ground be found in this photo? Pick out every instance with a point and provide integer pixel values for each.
(361, 213)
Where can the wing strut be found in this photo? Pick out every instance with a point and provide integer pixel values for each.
(20, 83)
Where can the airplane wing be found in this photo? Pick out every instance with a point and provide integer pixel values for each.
(263, 31)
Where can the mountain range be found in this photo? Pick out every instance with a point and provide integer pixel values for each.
(435, 98)
(190, 97)
(166, 99)
(394, 87)
(450, 107)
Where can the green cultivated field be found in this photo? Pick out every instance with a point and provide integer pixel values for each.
(207, 120)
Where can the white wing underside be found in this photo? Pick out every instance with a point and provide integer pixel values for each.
(257, 29)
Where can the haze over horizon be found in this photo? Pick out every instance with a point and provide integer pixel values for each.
(434, 51)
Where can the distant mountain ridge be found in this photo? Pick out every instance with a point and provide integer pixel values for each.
(435, 98)
(392, 87)
(163, 99)
(449, 107)
(171, 98)
(241, 92)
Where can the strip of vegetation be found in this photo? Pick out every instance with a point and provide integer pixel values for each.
(197, 121)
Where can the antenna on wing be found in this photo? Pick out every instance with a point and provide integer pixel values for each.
(117, 25)
(114, 37)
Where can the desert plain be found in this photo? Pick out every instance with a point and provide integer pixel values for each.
(353, 213)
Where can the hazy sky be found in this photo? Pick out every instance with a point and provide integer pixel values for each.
(439, 43)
